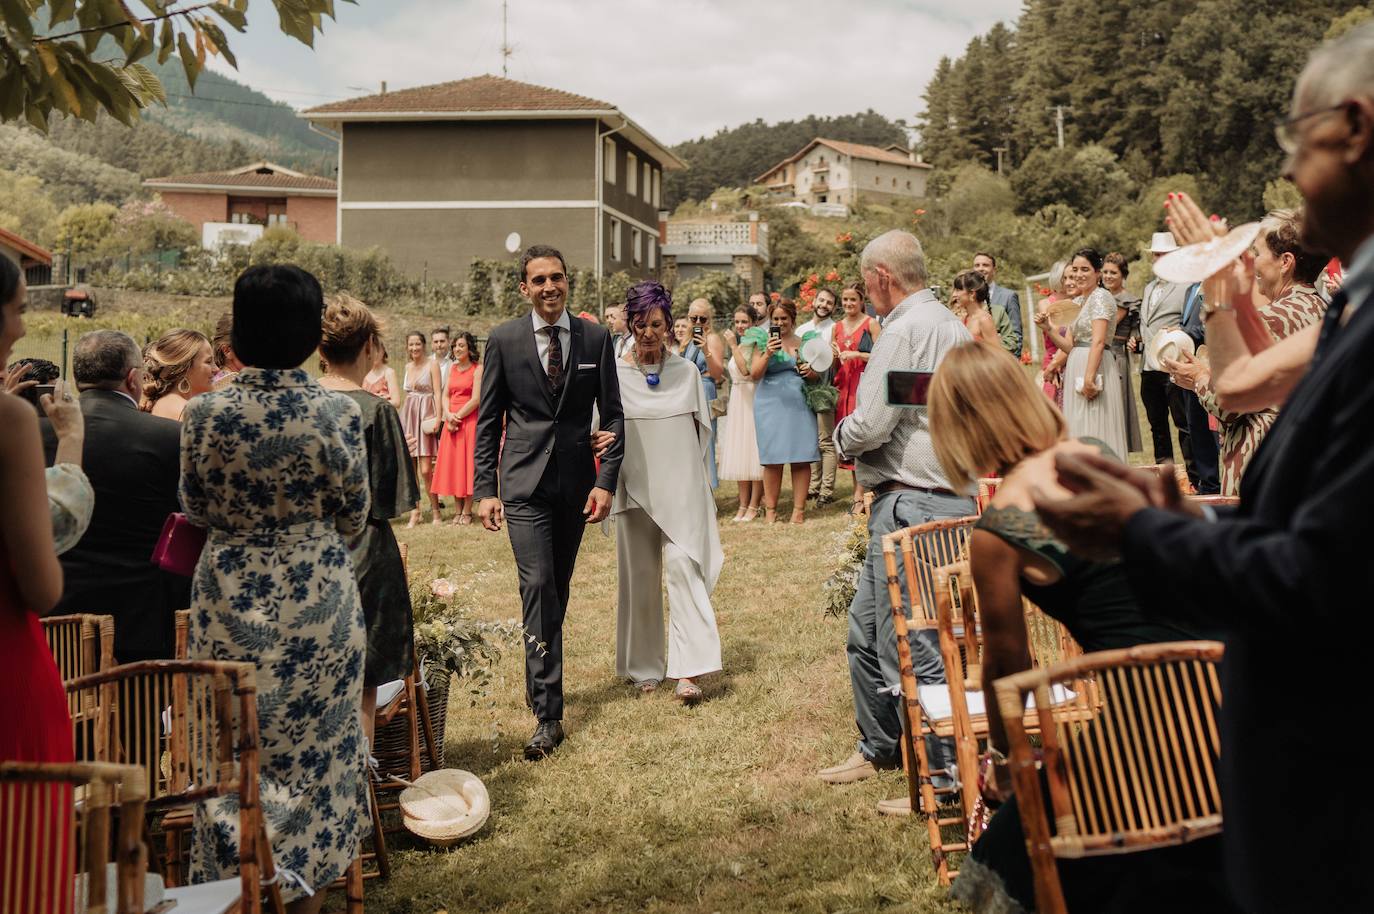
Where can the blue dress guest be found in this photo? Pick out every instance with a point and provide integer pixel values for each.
(275, 467)
(785, 425)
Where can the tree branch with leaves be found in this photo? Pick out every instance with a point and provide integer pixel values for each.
(53, 53)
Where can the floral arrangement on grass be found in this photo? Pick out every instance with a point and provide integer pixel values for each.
(449, 638)
(850, 550)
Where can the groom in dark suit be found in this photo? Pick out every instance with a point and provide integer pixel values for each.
(541, 375)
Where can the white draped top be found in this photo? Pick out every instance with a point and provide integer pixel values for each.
(664, 470)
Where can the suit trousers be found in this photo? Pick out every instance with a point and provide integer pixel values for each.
(1206, 452)
(1162, 400)
(823, 470)
(647, 560)
(873, 669)
(545, 533)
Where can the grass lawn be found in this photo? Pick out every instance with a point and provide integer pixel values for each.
(650, 806)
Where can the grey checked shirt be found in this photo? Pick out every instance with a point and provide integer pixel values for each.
(892, 444)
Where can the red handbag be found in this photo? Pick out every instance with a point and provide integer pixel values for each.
(179, 545)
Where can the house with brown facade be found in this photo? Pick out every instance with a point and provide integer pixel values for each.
(34, 261)
(835, 171)
(235, 206)
(438, 175)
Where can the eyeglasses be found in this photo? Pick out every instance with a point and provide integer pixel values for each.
(1286, 134)
(699, 320)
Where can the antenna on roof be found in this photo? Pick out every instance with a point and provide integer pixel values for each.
(506, 48)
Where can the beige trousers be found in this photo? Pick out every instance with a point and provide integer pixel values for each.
(647, 561)
(823, 470)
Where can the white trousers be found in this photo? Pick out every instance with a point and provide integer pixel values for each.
(647, 560)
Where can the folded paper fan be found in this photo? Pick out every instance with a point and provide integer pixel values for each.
(816, 353)
(1063, 312)
(1196, 262)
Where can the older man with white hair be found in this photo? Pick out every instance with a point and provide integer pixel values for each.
(1281, 576)
(893, 458)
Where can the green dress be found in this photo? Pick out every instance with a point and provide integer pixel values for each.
(376, 556)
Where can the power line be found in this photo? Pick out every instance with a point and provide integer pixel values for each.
(230, 101)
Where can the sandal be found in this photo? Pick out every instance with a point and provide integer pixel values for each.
(798, 516)
(856, 509)
(646, 686)
(770, 515)
(687, 692)
(464, 520)
(749, 514)
(414, 519)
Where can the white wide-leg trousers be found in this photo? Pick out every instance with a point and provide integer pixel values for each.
(647, 560)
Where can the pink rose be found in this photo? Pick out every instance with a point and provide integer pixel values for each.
(442, 588)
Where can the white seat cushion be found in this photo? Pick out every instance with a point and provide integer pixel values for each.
(936, 704)
(388, 692)
(153, 892)
(206, 897)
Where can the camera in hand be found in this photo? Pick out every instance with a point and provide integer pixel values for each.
(40, 370)
(908, 388)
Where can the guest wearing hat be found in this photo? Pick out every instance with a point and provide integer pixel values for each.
(1162, 307)
(664, 531)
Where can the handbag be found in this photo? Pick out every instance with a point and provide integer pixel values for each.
(179, 545)
(430, 426)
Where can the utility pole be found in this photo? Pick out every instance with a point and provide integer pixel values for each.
(1000, 150)
(506, 49)
(1059, 120)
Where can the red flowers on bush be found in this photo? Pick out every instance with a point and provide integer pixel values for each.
(832, 276)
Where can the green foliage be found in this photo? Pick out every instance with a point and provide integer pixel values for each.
(1348, 21)
(68, 177)
(725, 291)
(145, 227)
(85, 227)
(791, 248)
(1085, 179)
(1281, 193)
(25, 208)
(57, 68)
(148, 148)
(735, 157)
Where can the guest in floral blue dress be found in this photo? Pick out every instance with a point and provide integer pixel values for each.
(274, 465)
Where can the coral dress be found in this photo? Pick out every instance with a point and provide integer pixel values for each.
(34, 727)
(848, 371)
(453, 472)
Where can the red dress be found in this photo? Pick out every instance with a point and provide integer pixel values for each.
(848, 372)
(34, 727)
(453, 471)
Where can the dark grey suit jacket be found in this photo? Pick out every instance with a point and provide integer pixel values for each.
(133, 461)
(516, 400)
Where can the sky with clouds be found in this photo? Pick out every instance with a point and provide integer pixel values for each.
(681, 68)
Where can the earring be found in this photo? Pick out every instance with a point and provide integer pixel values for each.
(184, 387)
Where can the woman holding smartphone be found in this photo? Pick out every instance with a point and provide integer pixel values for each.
(785, 425)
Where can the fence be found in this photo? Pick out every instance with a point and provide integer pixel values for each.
(78, 267)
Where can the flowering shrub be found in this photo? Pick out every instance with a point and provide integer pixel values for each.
(449, 637)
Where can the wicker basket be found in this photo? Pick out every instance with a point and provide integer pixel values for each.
(392, 744)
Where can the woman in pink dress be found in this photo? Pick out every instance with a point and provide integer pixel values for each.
(453, 473)
(381, 379)
(854, 335)
(421, 417)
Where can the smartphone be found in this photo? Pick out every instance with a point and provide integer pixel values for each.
(908, 388)
(775, 330)
(698, 332)
(33, 393)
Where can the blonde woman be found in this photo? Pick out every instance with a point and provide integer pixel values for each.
(988, 418)
(177, 366)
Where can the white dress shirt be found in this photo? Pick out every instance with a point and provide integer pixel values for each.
(825, 328)
(541, 339)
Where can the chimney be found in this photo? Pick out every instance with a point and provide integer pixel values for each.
(913, 155)
(384, 87)
(662, 226)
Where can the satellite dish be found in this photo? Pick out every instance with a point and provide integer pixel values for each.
(513, 242)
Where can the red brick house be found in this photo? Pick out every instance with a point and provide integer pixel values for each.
(260, 194)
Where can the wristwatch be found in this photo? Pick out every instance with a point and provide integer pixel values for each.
(1210, 308)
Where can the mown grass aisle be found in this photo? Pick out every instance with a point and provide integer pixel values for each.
(653, 807)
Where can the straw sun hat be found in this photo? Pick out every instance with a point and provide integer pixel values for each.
(445, 806)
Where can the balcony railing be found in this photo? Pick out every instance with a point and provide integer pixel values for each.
(717, 238)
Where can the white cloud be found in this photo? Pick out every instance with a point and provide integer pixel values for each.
(682, 69)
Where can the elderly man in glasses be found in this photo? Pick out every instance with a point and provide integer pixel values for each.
(1284, 576)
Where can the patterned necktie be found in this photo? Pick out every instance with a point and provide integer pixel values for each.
(555, 368)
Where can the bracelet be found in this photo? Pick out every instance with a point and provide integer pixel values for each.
(996, 756)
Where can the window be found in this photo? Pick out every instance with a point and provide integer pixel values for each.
(615, 238)
(894, 182)
(631, 173)
(651, 250)
(276, 218)
(908, 185)
(634, 246)
(876, 179)
(608, 160)
(658, 175)
(647, 189)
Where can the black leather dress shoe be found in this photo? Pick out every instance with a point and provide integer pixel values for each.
(546, 738)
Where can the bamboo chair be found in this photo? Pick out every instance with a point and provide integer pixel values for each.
(1214, 500)
(81, 644)
(958, 710)
(1134, 771)
(55, 849)
(192, 727)
(987, 488)
(924, 549)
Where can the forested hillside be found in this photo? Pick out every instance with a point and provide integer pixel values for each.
(1166, 87)
(735, 157)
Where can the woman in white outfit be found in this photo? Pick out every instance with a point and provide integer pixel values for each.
(739, 443)
(1093, 404)
(665, 513)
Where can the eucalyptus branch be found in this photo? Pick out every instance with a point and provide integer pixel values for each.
(169, 14)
